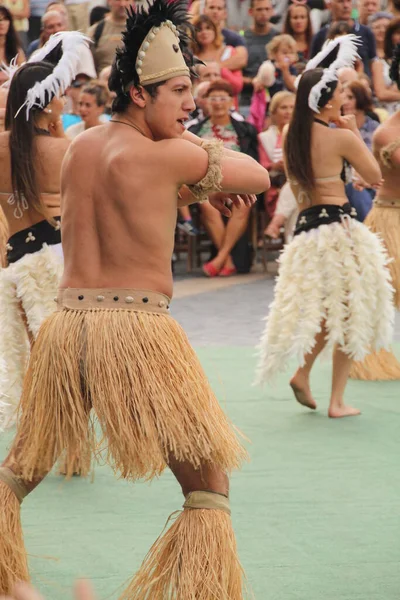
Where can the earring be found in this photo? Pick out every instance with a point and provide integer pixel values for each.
(329, 106)
(47, 110)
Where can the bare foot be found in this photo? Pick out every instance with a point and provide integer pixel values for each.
(302, 391)
(338, 412)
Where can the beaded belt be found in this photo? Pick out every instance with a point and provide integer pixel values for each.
(112, 299)
(31, 240)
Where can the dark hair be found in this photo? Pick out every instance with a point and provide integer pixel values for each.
(287, 27)
(22, 132)
(298, 139)
(205, 20)
(97, 14)
(13, 43)
(99, 90)
(338, 29)
(220, 86)
(361, 95)
(388, 45)
(394, 67)
(138, 24)
(252, 3)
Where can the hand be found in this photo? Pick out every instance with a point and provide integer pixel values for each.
(222, 202)
(274, 228)
(347, 122)
(257, 85)
(23, 591)
(277, 166)
(56, 129)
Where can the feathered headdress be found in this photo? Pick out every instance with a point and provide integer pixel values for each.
(156, 45)
(395, 66)
(62, 50)
(338, 53)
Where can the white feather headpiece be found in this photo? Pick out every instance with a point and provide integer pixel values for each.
(64, 71)
(338, 53)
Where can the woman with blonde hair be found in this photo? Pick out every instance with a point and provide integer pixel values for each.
(271, 147)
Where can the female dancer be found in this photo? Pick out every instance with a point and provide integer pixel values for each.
(31, 151)
(384, 219)
(334, 286)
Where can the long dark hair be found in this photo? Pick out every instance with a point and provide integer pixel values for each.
(298, 139)
(388, 46)
(287, 28)
(13, 43)
(22, 132)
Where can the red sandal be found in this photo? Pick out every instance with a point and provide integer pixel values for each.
(228, 272)
(210, 270)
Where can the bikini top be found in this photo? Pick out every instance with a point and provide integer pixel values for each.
(303, 195)
(386, 153)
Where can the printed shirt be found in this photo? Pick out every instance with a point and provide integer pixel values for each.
(224, 133)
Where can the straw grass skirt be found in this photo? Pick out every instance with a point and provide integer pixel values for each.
(135, 368)
(29, 284)
(336, 273)
(384, 219)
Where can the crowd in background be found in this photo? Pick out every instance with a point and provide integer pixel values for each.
(253, 51)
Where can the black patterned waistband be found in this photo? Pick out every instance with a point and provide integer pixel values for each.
(31, 240)
(322, 214)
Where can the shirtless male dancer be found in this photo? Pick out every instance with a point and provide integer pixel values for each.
(112, 345)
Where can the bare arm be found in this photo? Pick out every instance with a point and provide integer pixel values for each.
(360, 158)
(189, 163)
(238, 61)
(382, 92)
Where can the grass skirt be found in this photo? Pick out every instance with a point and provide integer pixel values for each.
(336, 273)
(383, 366)
(138, 372)
(31, 283)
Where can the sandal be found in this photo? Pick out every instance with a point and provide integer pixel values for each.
(210, 270)
(228, 272)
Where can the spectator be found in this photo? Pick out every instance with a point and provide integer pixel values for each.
(231, 238)
(341, 11)
(271, 147)
(238, 17)
(201, 100)
(378, 25)
(209, 46)
(347, 75)
(209, 72)
(71, 110)
(216, 10)
(92, 102)
(52, 22)
(20, 12)
(275, 75)
(358, 103)
(298, 25)
(256, 38)
(97, 14)
(367, 9)
(394, 8)
(10, 45)
(78, 14)
(106, 34)
(386, 92)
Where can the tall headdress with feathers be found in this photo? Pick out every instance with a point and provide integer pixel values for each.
(156, 46)
(338, 53)
(395, 67)
(62, 50)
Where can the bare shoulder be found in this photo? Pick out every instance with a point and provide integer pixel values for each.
(385, 134)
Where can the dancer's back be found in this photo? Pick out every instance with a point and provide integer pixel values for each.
(386, 146)
(50, 153)
(329, 149)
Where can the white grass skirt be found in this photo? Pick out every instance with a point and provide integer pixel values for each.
(32, 282)
(338, 274)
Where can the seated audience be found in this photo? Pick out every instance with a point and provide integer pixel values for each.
(378, 24)
(230, 238)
